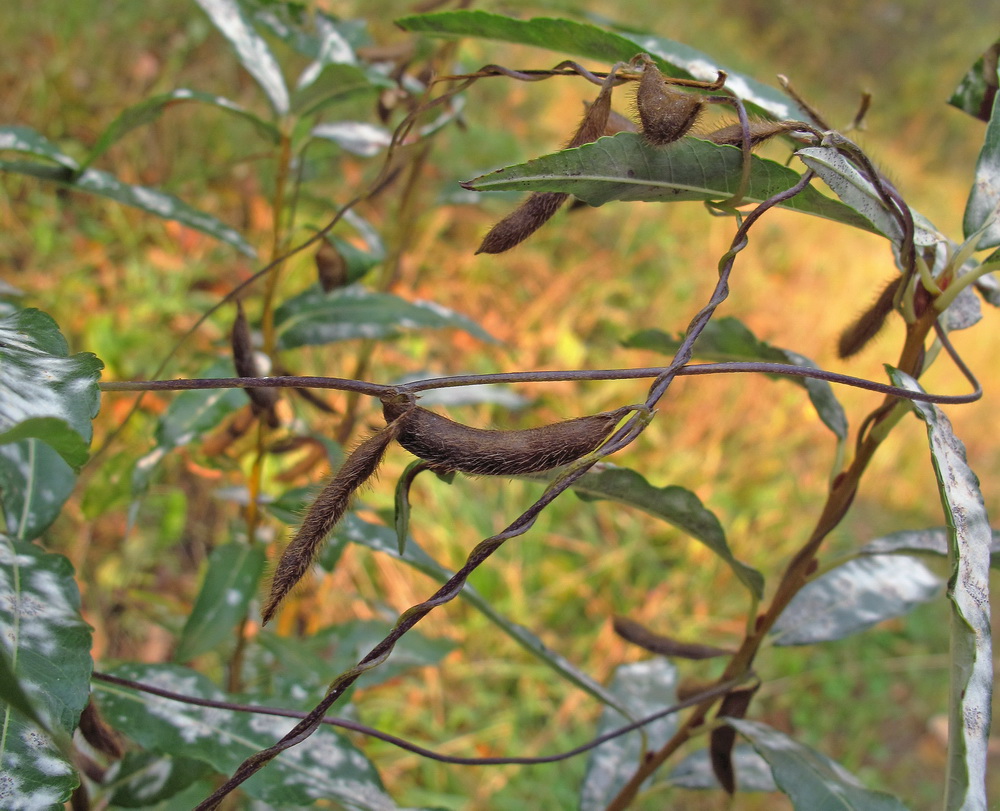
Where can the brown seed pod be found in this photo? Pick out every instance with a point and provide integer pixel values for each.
(534, 212)
(324, 514)
(760, 131)
(639, 634)
(869, 323)
(263, 400)
(331, 267)
(666, 114)
(449, 445)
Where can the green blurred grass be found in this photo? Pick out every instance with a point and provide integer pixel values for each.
(120, 283)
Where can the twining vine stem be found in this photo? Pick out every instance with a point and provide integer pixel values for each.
(402, 743)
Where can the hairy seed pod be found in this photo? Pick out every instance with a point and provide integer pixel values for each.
(324, 514)
(666, 114)
(869, 323)
(449, 445)
(263, 400)
(534, 212)
(760, 131)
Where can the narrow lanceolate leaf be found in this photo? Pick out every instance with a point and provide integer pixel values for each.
(625, 167)
(673, 504)
(984, 198)
(580, 39)
(48, 648)
(234, 571)
(25, 139)
(315, 317)
(969, 538)
(329, 767)
(644, 688)
(34, 484)
(810, 779)
(728, 339)
(923, 542)
(153, 201)
(146, 112)
(356, 137)
(751, 770)
(383, 539)
(251, 49)
(45, 392)
(975, 93)
(853, 597)
(860, 195)
(333, 83)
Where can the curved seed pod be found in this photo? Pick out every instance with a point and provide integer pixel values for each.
(869, 323)
(263, 400)
(534, 212)
(666, 114)
(760, 131)
(324, 514)
(449, 445)
(639, 634)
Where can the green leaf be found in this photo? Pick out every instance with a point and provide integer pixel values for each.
(854, 189)
(644, 688)
(984, 196)
(581, 39)
(855, 596)
(974, 94)
(335, 82)
(142, 779)
(234, 571)
(752, 771)
(383, 539)
(922, 541)
(673, 504)
(48, 646)
(251, 49)
(25, 139)
(328, 767)
(146, 112)
(45, 392)
(14, 695)
(314, 317)
(356, 137)
(358, 262)
(34, 484)
(155, 202)
(728, 339)
(626, 167)
(402, 501)
(811, 780)
(969, 538)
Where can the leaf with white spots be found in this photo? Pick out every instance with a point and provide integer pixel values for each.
(48, 645)
(46, 393)
(642, 687)
(34, 484)
(969, 540)
(325, 767)
(314, 317)
(234, 571)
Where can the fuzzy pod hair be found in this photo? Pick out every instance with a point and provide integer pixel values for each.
(263, 400)
(666, 114)
(760, 131)
(449, 445)
(869, 323)
(538, 209)
(325, 513)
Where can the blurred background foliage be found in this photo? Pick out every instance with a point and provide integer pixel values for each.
(125, 286)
